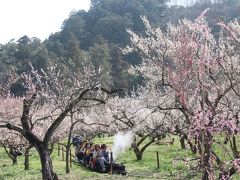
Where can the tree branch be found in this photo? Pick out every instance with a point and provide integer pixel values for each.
(12, 127)
(69, 107)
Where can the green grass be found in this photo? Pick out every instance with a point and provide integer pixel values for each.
(170, 156)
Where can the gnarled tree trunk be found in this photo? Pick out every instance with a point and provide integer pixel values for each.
(137, 152)
(182, 142)
(136, 146)
(12, 153)
(46, 162)
(26, 160)
(206, 156)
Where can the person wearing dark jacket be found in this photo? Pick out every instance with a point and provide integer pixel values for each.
(103, 157)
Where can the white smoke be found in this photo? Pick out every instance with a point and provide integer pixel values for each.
(121, 141)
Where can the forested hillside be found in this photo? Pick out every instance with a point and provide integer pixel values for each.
(98, 34)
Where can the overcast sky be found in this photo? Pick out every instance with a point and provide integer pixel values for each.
(35, 18)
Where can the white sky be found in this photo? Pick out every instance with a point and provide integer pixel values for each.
(35, 18)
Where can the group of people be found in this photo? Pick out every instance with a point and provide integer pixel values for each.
(93, 155)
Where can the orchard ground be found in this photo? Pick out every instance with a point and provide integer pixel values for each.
(175, 163)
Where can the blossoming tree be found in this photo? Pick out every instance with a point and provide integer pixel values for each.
(49, 99)
(196, 74)
(132, 113)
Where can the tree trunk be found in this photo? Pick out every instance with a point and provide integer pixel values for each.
(193, 147)
(182, 142)
(137, 152)
(26, 160)
(68, 146)
(139, 156)
(51, 148)
(13, 155)
(14, 160)
(67, 158)
(207, 166)
(46, 162)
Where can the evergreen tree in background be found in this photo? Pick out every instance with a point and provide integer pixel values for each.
(100, 57)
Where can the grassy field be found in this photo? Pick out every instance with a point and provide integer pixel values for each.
(171, 165)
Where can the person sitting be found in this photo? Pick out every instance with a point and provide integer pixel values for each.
(94, 155)
(77, 143)
(86, 157)
(81, 152)
(103, 157)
